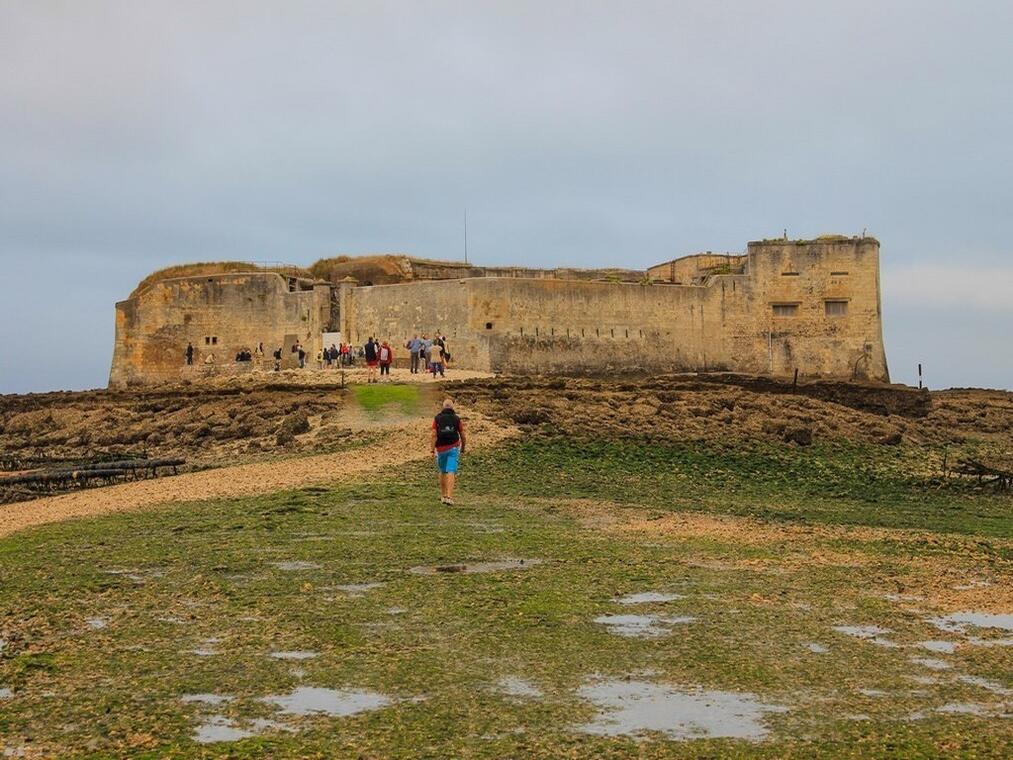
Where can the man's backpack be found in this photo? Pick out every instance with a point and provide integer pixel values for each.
(448, 425)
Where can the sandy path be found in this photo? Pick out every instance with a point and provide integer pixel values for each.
(403, 443)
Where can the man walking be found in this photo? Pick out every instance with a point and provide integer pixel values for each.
(447, 443)
(189, 354)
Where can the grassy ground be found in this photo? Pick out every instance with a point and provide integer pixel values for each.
(761, 591)
(375, 397)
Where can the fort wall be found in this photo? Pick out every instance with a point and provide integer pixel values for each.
(219, 315)
(784, 305)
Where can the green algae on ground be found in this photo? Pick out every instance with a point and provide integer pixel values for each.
(375, 397)
(242, 579)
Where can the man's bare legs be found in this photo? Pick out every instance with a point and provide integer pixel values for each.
(447, 485)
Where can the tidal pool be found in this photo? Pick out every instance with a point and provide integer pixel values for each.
(294, 655)
(959, 621)
(218, 728)
(648, 597)
(642, 626)
(512, 686)
(492, 566)
(308, 700)
(296, 565)
(634, 708)
(205, 699)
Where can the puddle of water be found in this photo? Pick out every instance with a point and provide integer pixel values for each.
(861, 631)
(964, 708)
(959, 621)
(993, 686)
(218, 728)
(138, 576)
(945, 647)
(356, 589)
(870, 633)
(1007, 642)
(931, 663)
(873, 692)
(643, 626)
(903, 597)
(815, 648)
(396, 610)
(307, 700)
(206, 699)
(476, 567)
(296, 565)
(174, 620)
(97, 623)
(512, 686)
(204, 652)
(633, 708)
(297, 672)
(648, 597)
(294, 655)
(885, 643)
(924, 680)
(6, 693)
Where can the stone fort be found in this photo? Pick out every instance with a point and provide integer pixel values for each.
(783, 305)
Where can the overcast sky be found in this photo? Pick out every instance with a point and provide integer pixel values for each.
(138, 134)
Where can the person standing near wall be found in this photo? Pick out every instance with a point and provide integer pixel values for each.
(446, 443)
(370, 351)
(436, 358)
(415, 347)
(189, 354)
(386, 358)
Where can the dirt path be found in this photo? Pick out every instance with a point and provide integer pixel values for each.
(403, 443)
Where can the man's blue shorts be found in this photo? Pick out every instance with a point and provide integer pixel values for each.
(447, 460)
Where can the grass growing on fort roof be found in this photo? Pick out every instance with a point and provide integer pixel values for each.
(109, 623)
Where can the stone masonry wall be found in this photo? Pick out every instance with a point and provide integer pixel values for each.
(219, 315)
(813, 306)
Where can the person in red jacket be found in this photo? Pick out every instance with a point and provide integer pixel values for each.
(385, 356)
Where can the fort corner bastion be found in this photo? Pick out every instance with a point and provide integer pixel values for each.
(810, 305)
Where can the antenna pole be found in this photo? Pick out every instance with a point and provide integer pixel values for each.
(466, 235)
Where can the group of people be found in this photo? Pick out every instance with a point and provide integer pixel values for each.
(429, 355)
(342, 355)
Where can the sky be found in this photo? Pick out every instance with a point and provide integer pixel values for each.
(138, 134)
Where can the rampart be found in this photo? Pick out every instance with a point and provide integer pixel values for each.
(784, 305)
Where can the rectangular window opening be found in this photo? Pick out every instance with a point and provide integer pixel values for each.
(785, 309)
(836, 308)
(488, 325)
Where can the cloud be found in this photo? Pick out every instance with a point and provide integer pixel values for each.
(985, 286)
(139, 134)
